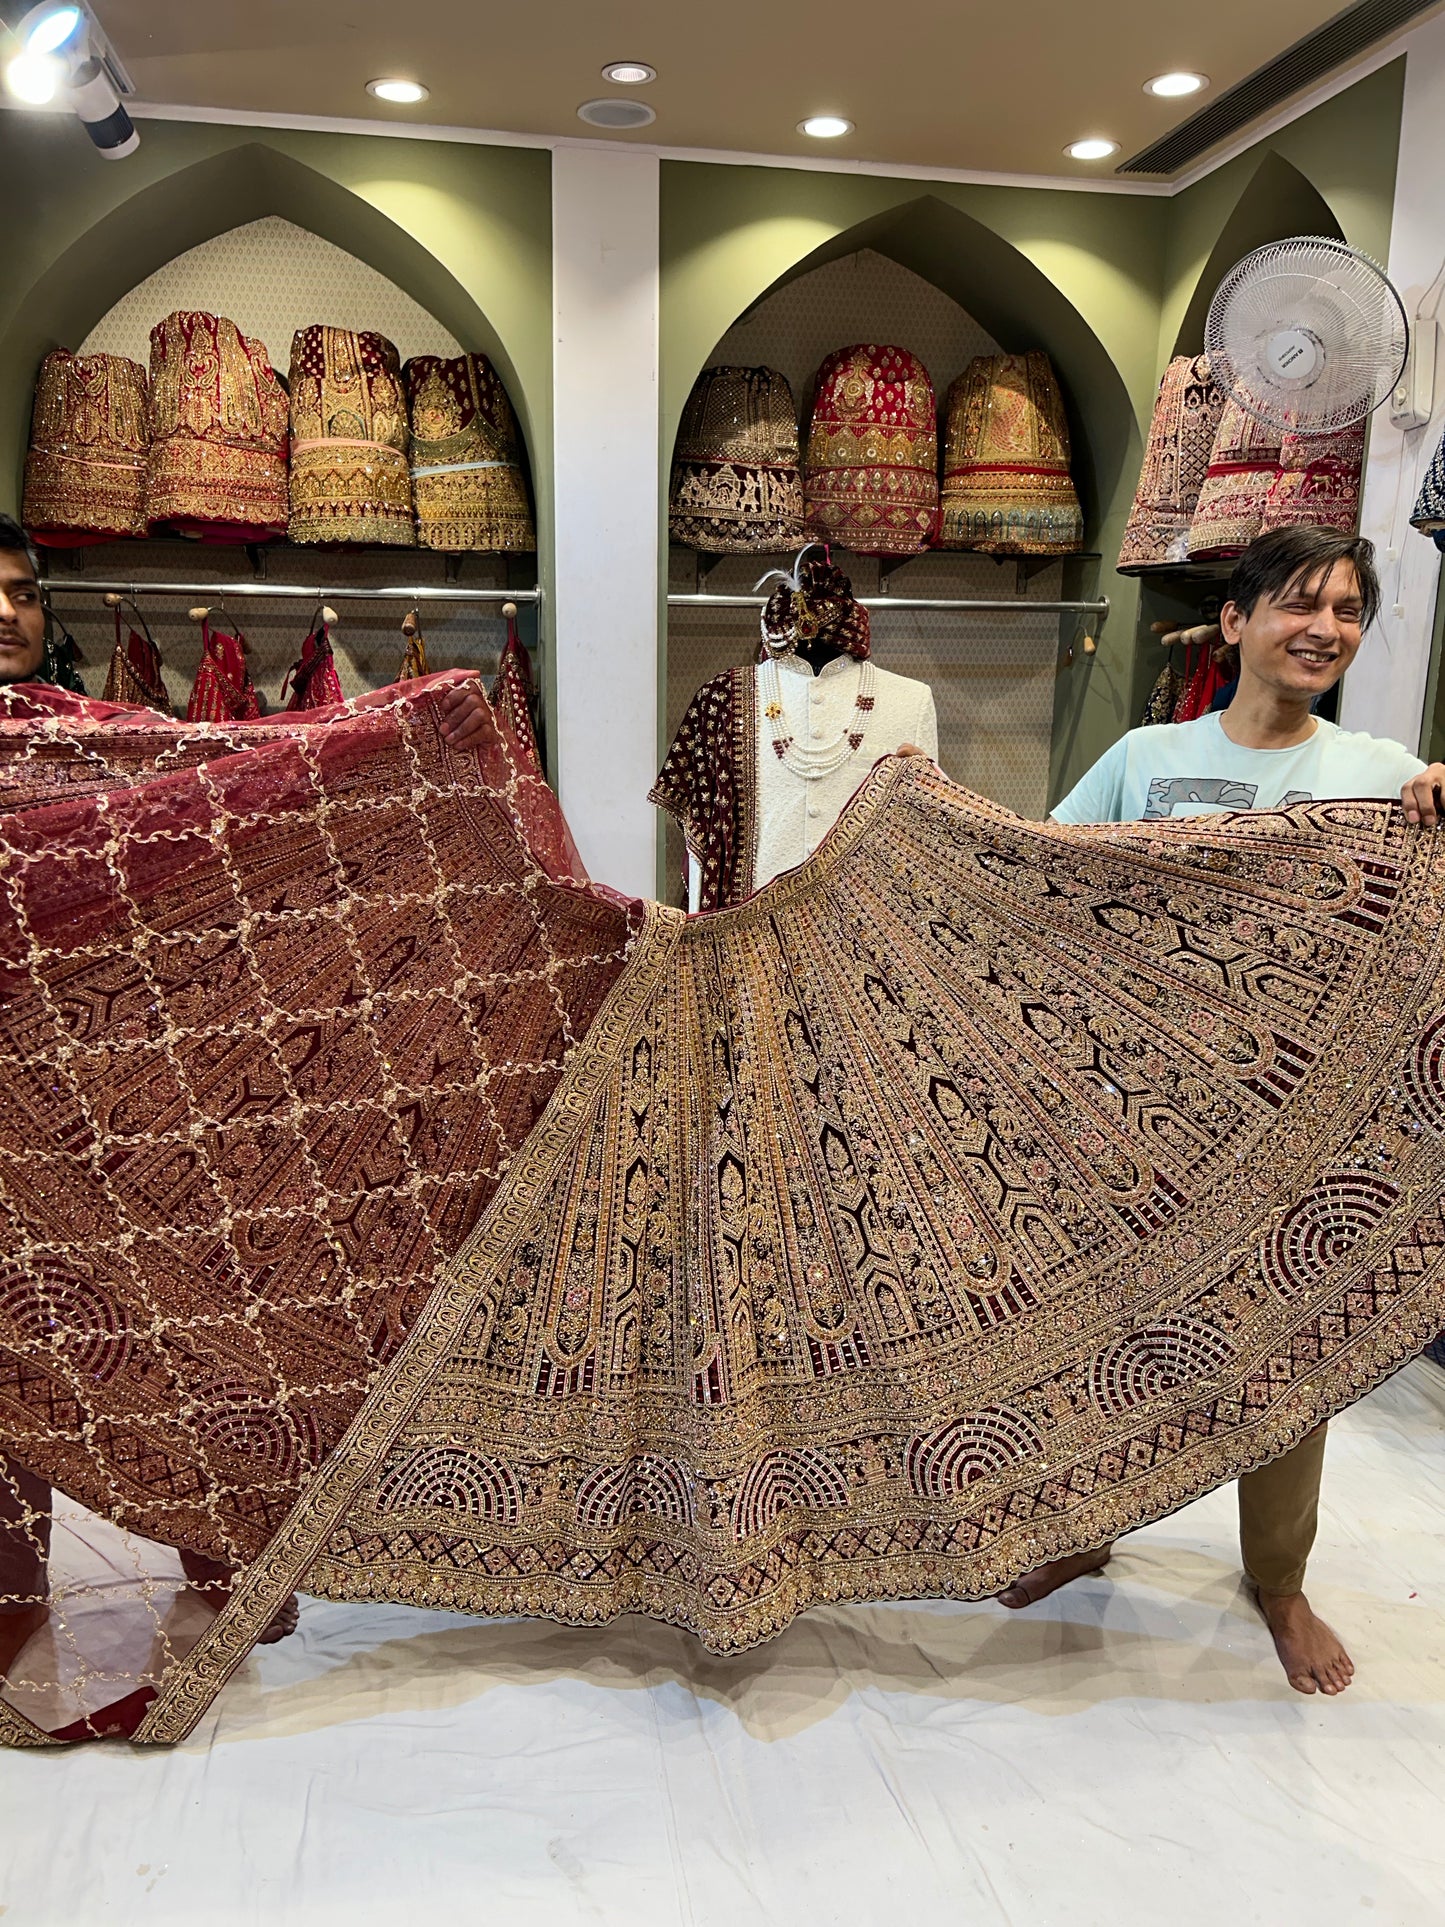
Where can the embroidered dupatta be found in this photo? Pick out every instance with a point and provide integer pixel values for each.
(708, 781)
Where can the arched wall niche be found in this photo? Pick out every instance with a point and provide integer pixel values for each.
(1013, 301)
(207, 198)
(731, 243)
(1278, 202)
(466, 230)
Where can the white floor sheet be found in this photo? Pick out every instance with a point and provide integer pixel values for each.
(1126, 1753)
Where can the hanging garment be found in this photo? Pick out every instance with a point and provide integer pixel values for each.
(217, 465)
(1163, 698)
(1243, 467)
(350, 480)
(1203, 678)
(222, 691)
(871, 479)
(134, 677)
(514, 706)
(1006, 483)
(737, 487)
(86, 467)
(466, 469)
(512, 696)
(1429, 511)
(313, 679)
(426, 1230)
(1318, 484)
(1181, 439)
(413, 657)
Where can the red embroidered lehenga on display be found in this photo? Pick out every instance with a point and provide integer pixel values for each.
(384, 1213)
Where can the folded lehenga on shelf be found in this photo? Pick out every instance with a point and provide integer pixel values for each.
(386, 1214)
(350, 477)
(85, 470)
(1181, 437)
(217, 461)
(1007, 489)
(871, 475)
(466, 466)
(736, 486)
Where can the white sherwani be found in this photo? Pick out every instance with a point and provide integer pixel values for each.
(795, 813)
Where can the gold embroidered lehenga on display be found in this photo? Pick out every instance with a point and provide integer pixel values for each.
(970, 1195)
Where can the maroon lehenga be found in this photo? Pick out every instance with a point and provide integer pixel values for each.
(385, 1213)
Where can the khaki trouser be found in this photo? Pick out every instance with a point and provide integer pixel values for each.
(1278, 1511)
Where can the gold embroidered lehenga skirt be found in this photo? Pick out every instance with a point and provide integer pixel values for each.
(383, 1212)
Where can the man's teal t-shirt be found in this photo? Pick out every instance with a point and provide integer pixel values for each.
(1193, 769)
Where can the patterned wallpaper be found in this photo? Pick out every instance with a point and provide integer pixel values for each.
(271, 278)
(863, 297)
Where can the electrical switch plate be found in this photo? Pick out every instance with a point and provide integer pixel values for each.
(1413, 401)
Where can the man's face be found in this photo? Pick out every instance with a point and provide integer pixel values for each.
(1301, 641)
(22, 618)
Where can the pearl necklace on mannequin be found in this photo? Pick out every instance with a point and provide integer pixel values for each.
(805, 760)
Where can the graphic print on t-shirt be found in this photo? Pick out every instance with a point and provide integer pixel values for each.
(1186, 793)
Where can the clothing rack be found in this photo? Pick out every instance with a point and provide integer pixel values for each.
(1016, 604)
(297, 592)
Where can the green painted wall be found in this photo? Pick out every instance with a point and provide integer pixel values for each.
(1106, 283)
(1075, 274)
(466, 230)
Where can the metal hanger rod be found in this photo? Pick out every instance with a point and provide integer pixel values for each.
(1016, 605)
(295, 591)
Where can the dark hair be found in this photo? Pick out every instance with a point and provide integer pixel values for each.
(1302, 558)
(13, 537)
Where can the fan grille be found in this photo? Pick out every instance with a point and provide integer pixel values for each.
(1308, 335)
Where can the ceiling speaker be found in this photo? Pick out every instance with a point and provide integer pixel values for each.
(616, 113)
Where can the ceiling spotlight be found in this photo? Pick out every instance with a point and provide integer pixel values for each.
(34, 78)
(45, 30)
(825, 127)
(1175, 86)
(1091, 150)
(630, 73)
(403, 93)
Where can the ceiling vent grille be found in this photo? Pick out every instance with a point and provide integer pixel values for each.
(1320, 53)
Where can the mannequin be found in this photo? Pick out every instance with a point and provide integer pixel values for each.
(768, 754)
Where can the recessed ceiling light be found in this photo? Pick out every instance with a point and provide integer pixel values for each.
(825, 127)
(404, 93)
(1091, 150)
(616, 114)
(629, 73)
(1175, 86)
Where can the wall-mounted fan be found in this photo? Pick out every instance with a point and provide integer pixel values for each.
(1308, 335)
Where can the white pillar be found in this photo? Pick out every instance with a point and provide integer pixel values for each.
(605, 463)
(1385, 692)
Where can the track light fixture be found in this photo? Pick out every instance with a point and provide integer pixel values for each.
(64, 55)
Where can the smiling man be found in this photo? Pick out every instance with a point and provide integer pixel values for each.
(1299, 602)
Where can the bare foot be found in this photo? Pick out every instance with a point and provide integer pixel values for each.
(1313, 1659)
(288, 1615)
(1043, 1580)
(16, 1632)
